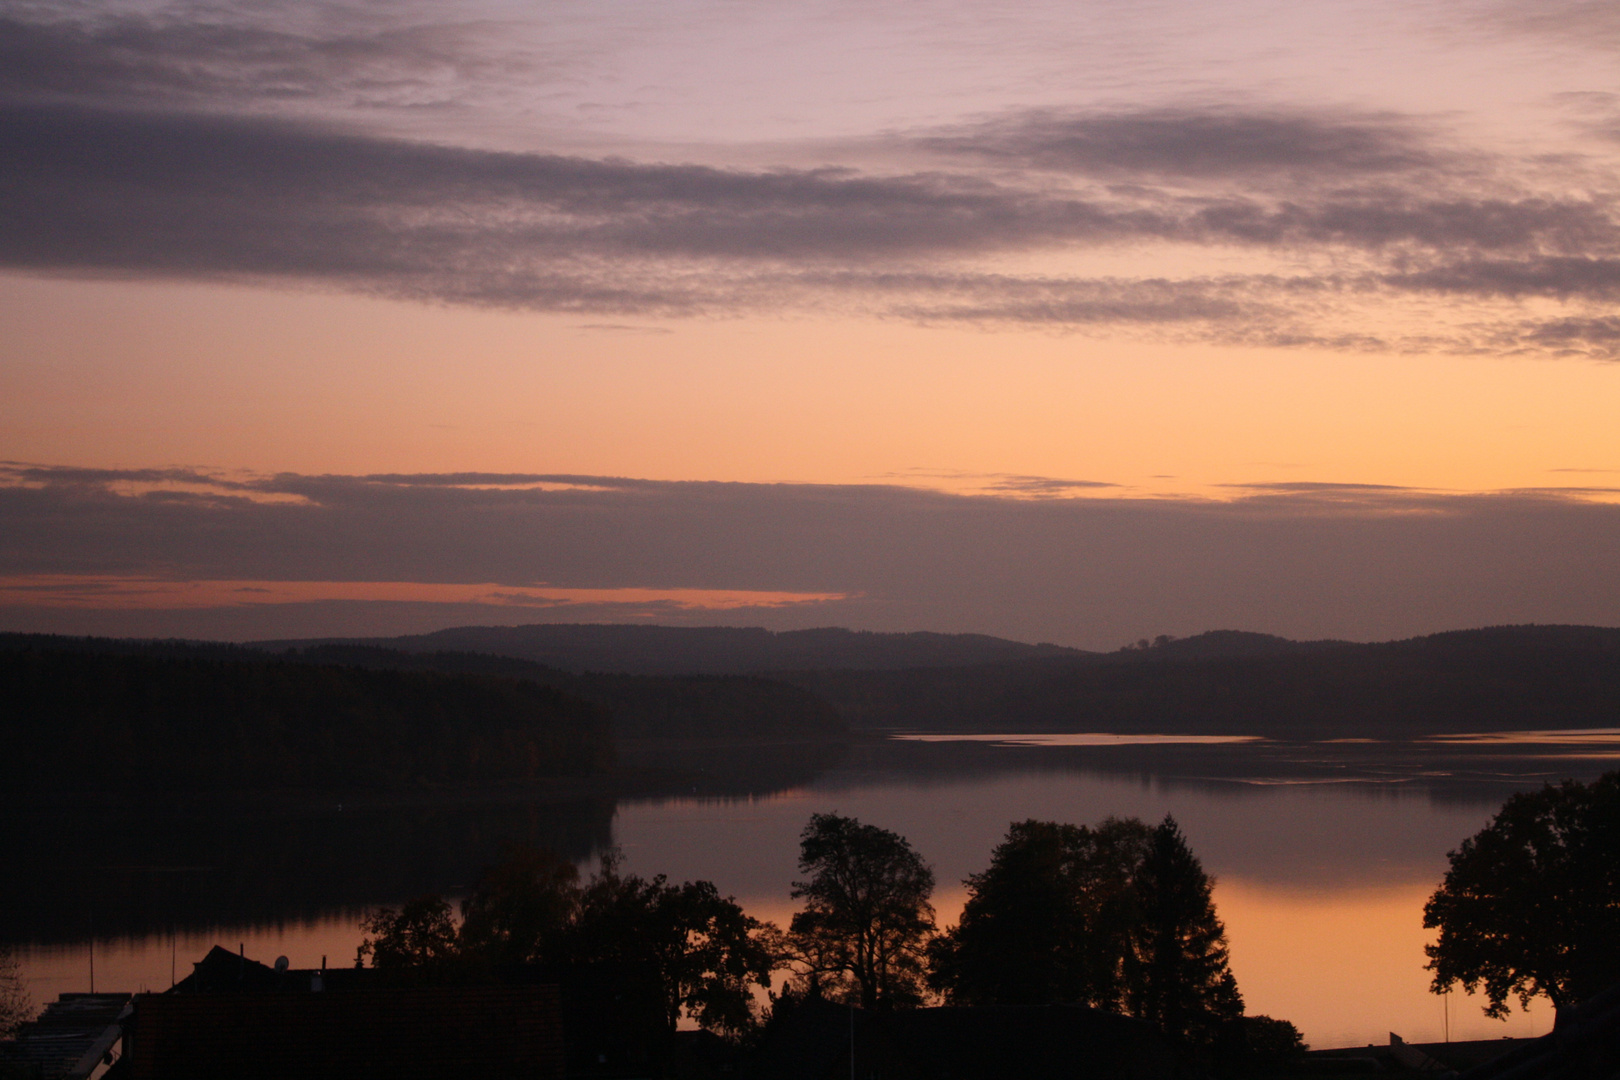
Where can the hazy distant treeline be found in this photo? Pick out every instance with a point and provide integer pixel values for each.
(1477, 680)
(220, 720)
(641, 706)
(704, 650)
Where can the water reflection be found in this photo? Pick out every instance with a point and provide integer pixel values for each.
(1094, 738)
(1323, 853)
(1581, 737)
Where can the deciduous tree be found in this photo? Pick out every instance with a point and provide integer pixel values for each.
(1531, 903)
(520, 907)
(419, 939)
(15, 1006)
(705, 952)
(867, 920)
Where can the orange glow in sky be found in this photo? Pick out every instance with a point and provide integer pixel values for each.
(129, 593)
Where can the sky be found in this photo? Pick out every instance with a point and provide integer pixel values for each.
(1073, 322)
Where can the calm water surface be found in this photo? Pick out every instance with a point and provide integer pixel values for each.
(1323, 855)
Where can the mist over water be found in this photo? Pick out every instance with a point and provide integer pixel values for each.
(1323, 855)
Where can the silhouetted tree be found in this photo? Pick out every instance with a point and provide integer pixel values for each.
(521, 907)
(1049, 922)
(1179, 977)
(702, 948)
(1531, 904)
(15, 1006)
(419, 939)
(1269, 1045)
(864, 930)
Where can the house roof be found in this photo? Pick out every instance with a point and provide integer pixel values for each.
(224, 972)
(446, 1033)
(67, 1040)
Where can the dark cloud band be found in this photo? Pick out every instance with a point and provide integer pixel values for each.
(1309, 560)
(198, 196)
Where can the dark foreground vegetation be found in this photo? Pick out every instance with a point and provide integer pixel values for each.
(1531, 904)
(1070, 936)
(1115, 920)
(1097, 944)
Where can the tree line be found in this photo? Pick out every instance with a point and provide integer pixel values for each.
(1503, 678)
(1118, 916)
(77, 720)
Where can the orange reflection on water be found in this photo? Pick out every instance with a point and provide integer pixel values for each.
(1346, 965)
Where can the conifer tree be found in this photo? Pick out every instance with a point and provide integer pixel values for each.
(1049, 921)
(1180, 977)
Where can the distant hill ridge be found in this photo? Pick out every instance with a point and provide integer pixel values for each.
(718, 650)
(1221, 682)
(729, 650)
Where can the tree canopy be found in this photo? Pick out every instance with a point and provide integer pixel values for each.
(419, 939)
(1182, 979)
(700, 948)
(1118, 916)
(705, 952)
(1531, 903)
(1049, 920)
(867, 920)
(521, 907)
(15, 1006)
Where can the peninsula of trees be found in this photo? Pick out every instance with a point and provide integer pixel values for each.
(126, 716)
(78, 720)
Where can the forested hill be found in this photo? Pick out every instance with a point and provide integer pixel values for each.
(225, 719)
(638, 706)
(1496, 679)
(642, 706)
(718, 650)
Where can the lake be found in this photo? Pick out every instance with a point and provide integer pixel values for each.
(1323, 853)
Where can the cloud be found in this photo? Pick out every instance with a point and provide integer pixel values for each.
(1201, 144)
(1599, 336)
(224, 59)
(1342, 221)
(1042, 485)
(1562, 278)
(1307, 560)
(1592, 23)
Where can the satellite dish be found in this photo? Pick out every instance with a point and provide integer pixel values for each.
(281, 964)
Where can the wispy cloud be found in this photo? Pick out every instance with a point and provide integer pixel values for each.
(1198, 144)
(224, 59)
(195, 196)
(164, 146)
